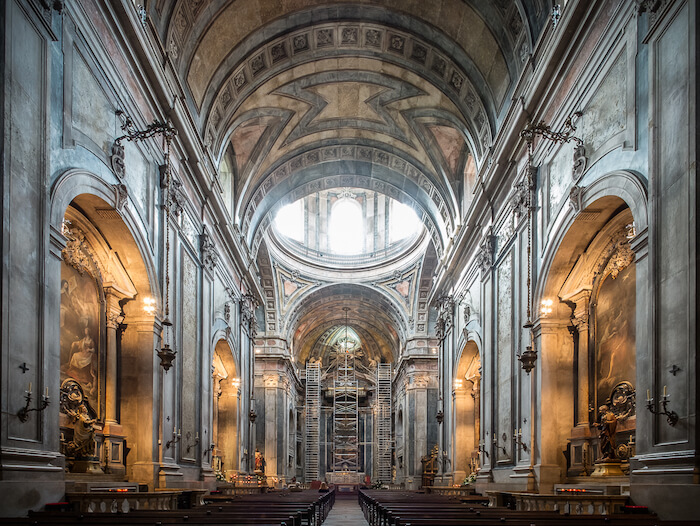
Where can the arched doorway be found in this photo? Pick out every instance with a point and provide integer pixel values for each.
(226, 410)
(587, 337)
(467, 391)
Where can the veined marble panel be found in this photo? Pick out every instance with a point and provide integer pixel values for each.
(189, 344)
(92, 111)
(504, 357)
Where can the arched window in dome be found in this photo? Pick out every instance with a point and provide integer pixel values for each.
(289, 221)
(346, 232)
(403, 222)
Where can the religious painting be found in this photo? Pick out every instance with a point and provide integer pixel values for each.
(79, 329)
(615, 332)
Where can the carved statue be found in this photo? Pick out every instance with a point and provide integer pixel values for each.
(607, 427)
(82, 416)
(259, 462)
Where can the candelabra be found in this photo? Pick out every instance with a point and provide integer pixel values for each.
(518, 439)
(193, 444)
(671, 416)
(176, 438)
(23, 414)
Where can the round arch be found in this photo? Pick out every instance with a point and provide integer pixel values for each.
(625, 185)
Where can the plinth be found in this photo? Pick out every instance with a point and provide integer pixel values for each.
(608, 468)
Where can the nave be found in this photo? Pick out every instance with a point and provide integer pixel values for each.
(253, 249)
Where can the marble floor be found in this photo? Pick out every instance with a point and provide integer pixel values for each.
(346, 512)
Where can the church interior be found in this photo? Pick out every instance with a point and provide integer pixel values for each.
(429, 248)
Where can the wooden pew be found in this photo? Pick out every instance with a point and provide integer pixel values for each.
(415, 509)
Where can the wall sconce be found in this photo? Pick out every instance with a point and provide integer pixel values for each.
(176, 438)
(518, 439)
(458, 383)
(236, 383)
(149, 305)
(546, 308)
(23, 414)
(434, 350)
(671, 416)
(193, 444)
(482, 449)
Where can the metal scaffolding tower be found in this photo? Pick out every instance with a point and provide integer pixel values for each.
(383, 426)
(313, 419)
(345, 398)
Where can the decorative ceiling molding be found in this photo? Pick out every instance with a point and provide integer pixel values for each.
(402, 286)
(290, 286)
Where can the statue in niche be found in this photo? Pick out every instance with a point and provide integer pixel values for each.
(80, 448)
(259, 462)
(607, 425)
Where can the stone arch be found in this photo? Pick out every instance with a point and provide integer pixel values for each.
(628, 186)
(226, 409)
(573, 268)
(104, 236)
(467, 417)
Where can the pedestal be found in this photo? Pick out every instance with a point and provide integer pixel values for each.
(114, 444)
(610, 468)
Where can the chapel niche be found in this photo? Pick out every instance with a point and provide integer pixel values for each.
(601, 290)
(82, 348)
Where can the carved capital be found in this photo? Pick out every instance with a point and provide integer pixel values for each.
(116, 159)
(121, 196)
(580, 162)
(521, 199)
(210, 258)
(484, 259)
(576, 198)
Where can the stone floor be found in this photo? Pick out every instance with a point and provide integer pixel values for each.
(346, 512)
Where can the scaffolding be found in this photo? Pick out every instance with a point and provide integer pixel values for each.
(345, 400)
(383, 425)
(313, 420)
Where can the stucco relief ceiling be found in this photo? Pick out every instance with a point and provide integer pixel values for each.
(401, 97)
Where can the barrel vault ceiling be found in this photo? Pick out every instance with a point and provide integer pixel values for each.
(396, 96)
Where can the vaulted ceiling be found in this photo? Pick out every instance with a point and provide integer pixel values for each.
(402, 97)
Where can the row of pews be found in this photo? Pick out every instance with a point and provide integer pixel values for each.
(403, 508)
(304, 508)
